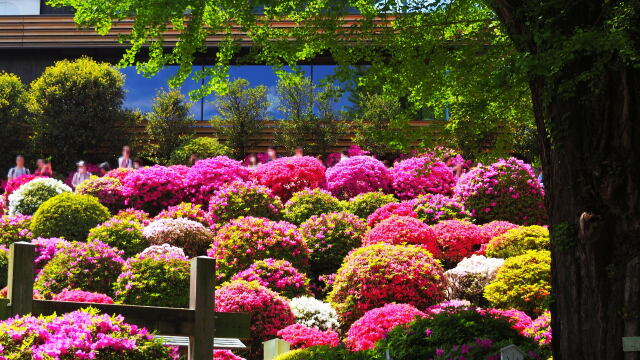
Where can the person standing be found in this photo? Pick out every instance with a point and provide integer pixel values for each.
(125, 161)
(81, 174)
(44, 168)
(298, 151)
(19, 169)
(272, 154)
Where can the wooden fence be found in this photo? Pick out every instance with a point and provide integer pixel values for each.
(199, 322)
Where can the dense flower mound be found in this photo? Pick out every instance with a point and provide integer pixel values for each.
(457, 240)
(92, 266)
(269, 311)
(433, 208)
(107, 189)
(186, 210)
(506, 190)
(376, 323)
(365, 204)
(540, 329)
(83, 296)
(119, 174)
(288, 175)
(15, 183)
(468, 279)
(421, 175)
(301, 337)
(380, 274)
(154, 279)
(125, 235)
(244, 199)
(330, 237)
(399, 230)
(219, 354)
(277, 275)
(519, 319)
(404, 208)
(208, 175)
(29, 196)
(82, 334)
(189, 235)
(153, 188)
(358, 175)
(306, 203)
(517, 241)
(164, 249)
(241, 242)
(136, 215)
(45, 250)
(523, 283)
(314, 313)
(493, 229)
(14, 228)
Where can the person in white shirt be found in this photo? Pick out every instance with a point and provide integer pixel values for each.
(19, 169)
(80, 175)
(125, 161)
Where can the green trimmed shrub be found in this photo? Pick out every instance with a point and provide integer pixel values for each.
(365, 204)
(523, 283)
(306, 203)
(315, 353)
(239, 198)
(517, 241)
(69, 216)
(28, 197)
(203, 147)
(13, 111)
(125, 235)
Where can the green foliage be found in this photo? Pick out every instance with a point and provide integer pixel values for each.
(518, 241)
(4, 265)
(69, 216)
(13, 114)
(307, 203)
(523, 283)
(168, 126)
(126, 235)
(365, 204)
(76, 110)
(30, 196)
(203, 147)
(242, 110)
(316, 353)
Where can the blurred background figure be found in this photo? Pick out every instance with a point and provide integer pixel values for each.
(298, 152)
(19, 169)
(81, 174)
(104, 168)
(43, 168)
(272, 154)
(125, 161)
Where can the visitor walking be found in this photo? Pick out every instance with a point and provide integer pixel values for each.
(19, 169)
(81, 174)
(252, 161)
(125, 161)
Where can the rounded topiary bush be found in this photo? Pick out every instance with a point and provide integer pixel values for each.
(125, 235)
(106, 189)
(277, 275)
(189, 235)
(244, 199)
(314, 313)
(433, 208)
(288, 175)
(45, 250)
(28, 197)
(68, 216)
(14, 228)
(358, 175)
(154, 279)
(506, 190)
(307, 203)
(496, 228)
(208, 175)
(330, 237)
(421, 175)
(380, 274)
(365, 204)
(404, 230)
(404, 208)
(186, 211)
(457, 240)
(523, 283)
(243, 241)
(14, 184)
(153, 188)
(517, 241)
(203, 147)
(131, 214)
(92, 266)
(467, 280)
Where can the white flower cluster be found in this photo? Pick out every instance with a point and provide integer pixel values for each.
(164, 249)
(468, 278)
(28, 197)
(314, 313)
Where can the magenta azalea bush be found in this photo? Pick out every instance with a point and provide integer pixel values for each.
(153, 188)
(277, 275)
(288, 175)
(376, 323)
(208, 175)
(82, 334)
(189, 235)
(14, 228)
(540, 329)
(244, 199)
(45, 250)
(506, 190)
(496, 228)
(219, 354)
(301, 337)
(379, 274)
(404, 230)
(421, 175)
(457, 240)
(433, 208)
(241, 242)
(404, 208)
(188, 211)
(108, 190)
(83, 296)
(119, 173)
(357, 175)
(13, 185)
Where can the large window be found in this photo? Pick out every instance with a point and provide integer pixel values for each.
(19, 7)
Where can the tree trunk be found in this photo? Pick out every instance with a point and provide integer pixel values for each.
(590, 139)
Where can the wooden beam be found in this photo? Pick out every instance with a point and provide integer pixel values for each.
(201, 302)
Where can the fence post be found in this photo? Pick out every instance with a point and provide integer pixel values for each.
(20, 280)
(201, 300)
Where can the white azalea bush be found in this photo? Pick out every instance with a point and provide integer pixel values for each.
(314, 313)
(468, 279)
(28, 198)
(164, 249)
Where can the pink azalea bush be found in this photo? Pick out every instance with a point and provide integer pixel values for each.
(188, 211)
(506, 190)
(119, 173)
(301, 337)
(493, 229)
(82, 296)
(376, 323)
(208, 175)
(13, 185)
(540, 329)
(239, 198)
(189, 235)
(219, 354)
(14, 228)
(399, 230)
(421, 175)
(277, 275)
(108, 191)
(45, 250)
(82, 334)
(380, 274)
(457, 240)
(433, 208)
(404, 208)
(357, 175)
(153, 188)
(288, 175)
